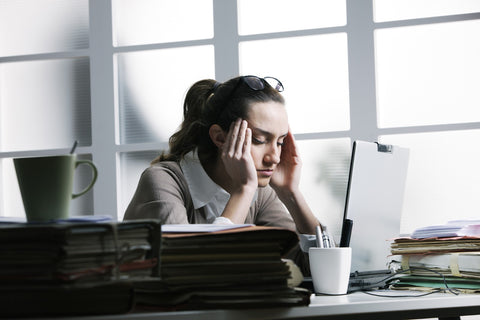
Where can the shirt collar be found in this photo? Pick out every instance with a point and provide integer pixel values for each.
(202, 188)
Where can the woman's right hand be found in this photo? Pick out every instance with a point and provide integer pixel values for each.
(237, 158)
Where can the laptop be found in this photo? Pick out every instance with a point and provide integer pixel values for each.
(374, 201)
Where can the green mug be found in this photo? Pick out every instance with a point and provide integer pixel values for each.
(46, 185)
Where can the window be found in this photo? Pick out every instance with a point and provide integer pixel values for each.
(152, 21)
(44, 89)
(428, 74)
(43, 26)
(320, 102)
(444, 179)
(150, 84)
(391, 10)
(257, 17)
(426, 97)
(113, 75)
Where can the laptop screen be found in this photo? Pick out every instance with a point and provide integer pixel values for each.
(374, 202)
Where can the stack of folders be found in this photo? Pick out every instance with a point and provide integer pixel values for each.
(79, 268)
(226, 268)
(440, 256)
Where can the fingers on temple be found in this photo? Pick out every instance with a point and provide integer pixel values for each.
(241, 138)
(232, 138)
(248, 141)
(236, 138)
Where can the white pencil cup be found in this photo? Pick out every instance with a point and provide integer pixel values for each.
(330, 268)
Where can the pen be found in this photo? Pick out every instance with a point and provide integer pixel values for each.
(331, 239)
(326, 239)
(346, 233)
(319, 240)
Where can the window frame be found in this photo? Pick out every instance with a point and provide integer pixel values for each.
(105, 147)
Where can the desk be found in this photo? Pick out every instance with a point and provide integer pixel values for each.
(352, 306)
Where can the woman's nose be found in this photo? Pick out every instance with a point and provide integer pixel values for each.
(273, 155)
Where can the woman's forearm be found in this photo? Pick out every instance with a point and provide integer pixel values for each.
(238, 205)
(302, 215)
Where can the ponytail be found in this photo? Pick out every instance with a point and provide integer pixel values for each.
(193, 132)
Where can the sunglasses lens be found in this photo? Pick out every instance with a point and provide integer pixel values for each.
(254, 83)
(274, 83)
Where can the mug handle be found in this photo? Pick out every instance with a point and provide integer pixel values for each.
(95, 173)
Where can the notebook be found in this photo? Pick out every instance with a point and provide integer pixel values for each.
(374, 202)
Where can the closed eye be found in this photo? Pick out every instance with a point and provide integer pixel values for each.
(258, 141)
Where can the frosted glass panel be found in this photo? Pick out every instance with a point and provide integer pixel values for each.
(12, 206)
(314, 71)
(157, 21)
(284, 15)
(132, 164)
(326, 165)
(44, 104)
(39, 26)
(443, 181)
(152, 86)
(428, 74)
(388, 10)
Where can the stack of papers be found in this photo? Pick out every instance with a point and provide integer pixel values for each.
(231, 267)
(70, 252)
(459, 264)
(432, 283)
(440, 256)
(200, 227)
(74, 268)
(457, 228)
(434, 245)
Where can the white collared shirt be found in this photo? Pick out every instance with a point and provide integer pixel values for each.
(204, 191)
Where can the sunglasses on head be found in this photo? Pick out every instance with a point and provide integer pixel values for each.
(257, 83)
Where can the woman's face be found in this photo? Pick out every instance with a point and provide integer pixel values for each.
(269, 124)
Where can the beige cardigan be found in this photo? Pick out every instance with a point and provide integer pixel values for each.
(162, 193)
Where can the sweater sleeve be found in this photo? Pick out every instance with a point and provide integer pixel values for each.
(270, 211)
(160, 194)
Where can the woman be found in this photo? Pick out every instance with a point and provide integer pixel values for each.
(234, 160)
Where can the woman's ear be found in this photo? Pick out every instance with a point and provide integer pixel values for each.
(217, 135)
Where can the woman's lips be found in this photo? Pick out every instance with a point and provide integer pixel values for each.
(265, 172)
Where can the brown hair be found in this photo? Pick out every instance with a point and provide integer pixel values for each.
(209, 102)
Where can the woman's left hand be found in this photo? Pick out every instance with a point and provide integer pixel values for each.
(286, 180)
(286, 177)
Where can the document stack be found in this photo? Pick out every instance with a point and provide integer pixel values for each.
(74, 268)
(440, 256)
(226, 268)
